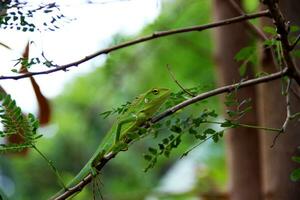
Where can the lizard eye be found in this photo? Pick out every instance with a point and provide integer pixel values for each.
(155, 91)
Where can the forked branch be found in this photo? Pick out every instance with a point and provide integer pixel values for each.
(283, 29)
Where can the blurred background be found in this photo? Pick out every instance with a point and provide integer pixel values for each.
(77, 98)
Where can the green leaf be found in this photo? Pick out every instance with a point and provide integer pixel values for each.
(245, 53)
(243, 69)
(176, 142)
(296, 159)
(221, 133)
(171, 137)
(197, 121)
(167, 153)
(161, 147)
(232, 113)
(212, 114)
(209, 131)
(6, 100)
(269, 43)
(227, 123)
(147, 157)
(270, 30)
(215, 138)
(201, 137)
(192, 131)
(176, 129)
(141, 131)
(294, 28)
(296, 53)
(168, 123)
(230, 103)
(106, 114)
(166, 141)
(152, 150)
(295, 175)
(11, 105)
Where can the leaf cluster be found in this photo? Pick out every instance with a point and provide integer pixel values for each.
(246, 55)
(119, 110)
(15, 15)
(236, 108)
(295, 175)
(15, 123)
(178, 127)
(176, 98)
(25, 62)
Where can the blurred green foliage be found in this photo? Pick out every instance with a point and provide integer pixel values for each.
(77, 127)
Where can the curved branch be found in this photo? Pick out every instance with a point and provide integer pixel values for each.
(168, 112)
(218, 91)
(153, 36)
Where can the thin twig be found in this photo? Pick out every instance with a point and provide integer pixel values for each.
(252, 27)
(236, 126)
(49, 162)
(4, 45)
(196, 145)
(245, 126)
(292, 46)
(288, 113)
(177, 82)
(153, 36)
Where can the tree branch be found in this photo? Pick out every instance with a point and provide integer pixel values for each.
(218, 91)
(282, 27)
(85, 181)
(292, 46)
(177, 82)
(252, 27)
(153, 36)
(170, 111)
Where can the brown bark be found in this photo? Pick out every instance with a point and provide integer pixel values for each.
(276, 162)
(242, 143)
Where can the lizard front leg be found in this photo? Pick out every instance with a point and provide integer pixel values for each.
(134, 118)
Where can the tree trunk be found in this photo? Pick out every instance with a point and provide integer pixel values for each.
(242, 144)
(276, 162)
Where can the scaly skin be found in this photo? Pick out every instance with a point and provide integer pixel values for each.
(141, 109)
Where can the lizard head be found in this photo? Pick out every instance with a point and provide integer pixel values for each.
(153, 99)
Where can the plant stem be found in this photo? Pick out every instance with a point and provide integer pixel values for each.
(50, 163)
(248, 126)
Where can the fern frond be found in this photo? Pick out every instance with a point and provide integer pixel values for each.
(15, 123)
(11, 148)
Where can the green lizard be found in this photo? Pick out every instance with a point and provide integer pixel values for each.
(138, 112)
